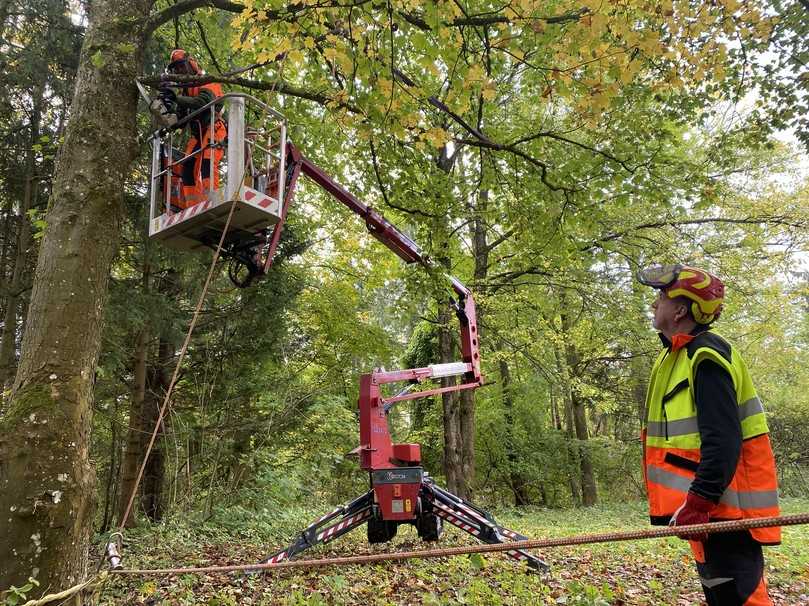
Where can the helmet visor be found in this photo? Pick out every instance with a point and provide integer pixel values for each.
(659, 276)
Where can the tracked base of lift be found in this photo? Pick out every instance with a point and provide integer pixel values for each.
(201, 226)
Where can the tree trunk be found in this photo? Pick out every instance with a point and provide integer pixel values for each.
(8, 340)
(453, 469)
(112, 475)
(133, 454)
(158, 380)
(588, 484)
(47, 483)
(589, 494)
(567, 400)
(480, 250)
(517, 481)
(9, 221)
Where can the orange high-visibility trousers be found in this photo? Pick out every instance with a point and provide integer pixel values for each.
(201, 172)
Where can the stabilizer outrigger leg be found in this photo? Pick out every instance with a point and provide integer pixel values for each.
(475, 521)
(435, 504)
(354, 514)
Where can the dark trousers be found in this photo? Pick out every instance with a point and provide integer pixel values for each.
(733, 571)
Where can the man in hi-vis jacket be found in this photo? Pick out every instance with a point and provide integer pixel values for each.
(707, 453)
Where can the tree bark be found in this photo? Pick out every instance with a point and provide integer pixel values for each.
(589, 492)
(158, 380)
(567, 401)
(8, 340)
(480, 250)
(453, 469)
(47, 483)
(516, 479)
(133, 453)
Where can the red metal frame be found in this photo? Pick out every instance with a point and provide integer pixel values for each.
(377, 452)
(406, 249)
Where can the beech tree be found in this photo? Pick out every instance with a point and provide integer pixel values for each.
(46, 479)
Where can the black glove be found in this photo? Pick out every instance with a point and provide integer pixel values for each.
(167, 94)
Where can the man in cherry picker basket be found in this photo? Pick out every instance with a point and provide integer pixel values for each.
(200, 172)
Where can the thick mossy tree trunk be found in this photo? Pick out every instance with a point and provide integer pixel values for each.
(46, 479)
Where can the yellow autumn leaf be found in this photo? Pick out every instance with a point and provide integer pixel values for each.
(345, 62)
(309, 42)
(410, 120)
(295, 56)
(282, 47)
(488, 94)
(437, 137)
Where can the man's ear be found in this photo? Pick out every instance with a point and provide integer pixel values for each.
(681, 312)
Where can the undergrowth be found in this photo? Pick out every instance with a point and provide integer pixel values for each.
(650, 572)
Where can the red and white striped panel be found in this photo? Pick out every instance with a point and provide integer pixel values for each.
(276, 559)
(256, 198)
(474, 531)
(193, 211)
(329, 532)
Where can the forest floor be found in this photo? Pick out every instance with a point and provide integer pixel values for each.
(652, 572)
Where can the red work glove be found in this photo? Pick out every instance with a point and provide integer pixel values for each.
(694, 510)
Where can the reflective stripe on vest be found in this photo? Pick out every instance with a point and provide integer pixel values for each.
(672, 439)
(758, 499)
(682, 427)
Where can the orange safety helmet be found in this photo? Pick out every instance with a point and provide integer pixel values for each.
(705, 290)
(180, 56)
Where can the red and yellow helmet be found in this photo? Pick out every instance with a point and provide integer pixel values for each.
(705, 290)
(180, 56)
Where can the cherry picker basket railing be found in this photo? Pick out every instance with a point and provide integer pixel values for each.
(251, 175)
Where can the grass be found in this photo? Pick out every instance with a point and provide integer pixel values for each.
(652, 572)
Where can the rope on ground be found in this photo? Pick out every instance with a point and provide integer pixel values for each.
(652, 533)
(94, 582)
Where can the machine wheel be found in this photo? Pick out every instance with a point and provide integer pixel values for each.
(429, 526)
(381, 531)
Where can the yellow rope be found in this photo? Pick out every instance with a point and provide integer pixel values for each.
(95, 581)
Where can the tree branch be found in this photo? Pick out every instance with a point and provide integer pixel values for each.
(186, 6)
(480, 20)
(278, 86)
(551, 135)
(784, 221)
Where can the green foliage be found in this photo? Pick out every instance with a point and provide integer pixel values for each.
(18, 595)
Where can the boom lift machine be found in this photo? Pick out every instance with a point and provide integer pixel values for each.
(259, 177)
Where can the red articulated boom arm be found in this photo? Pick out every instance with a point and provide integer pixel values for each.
(401, 491)
(409, 252)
